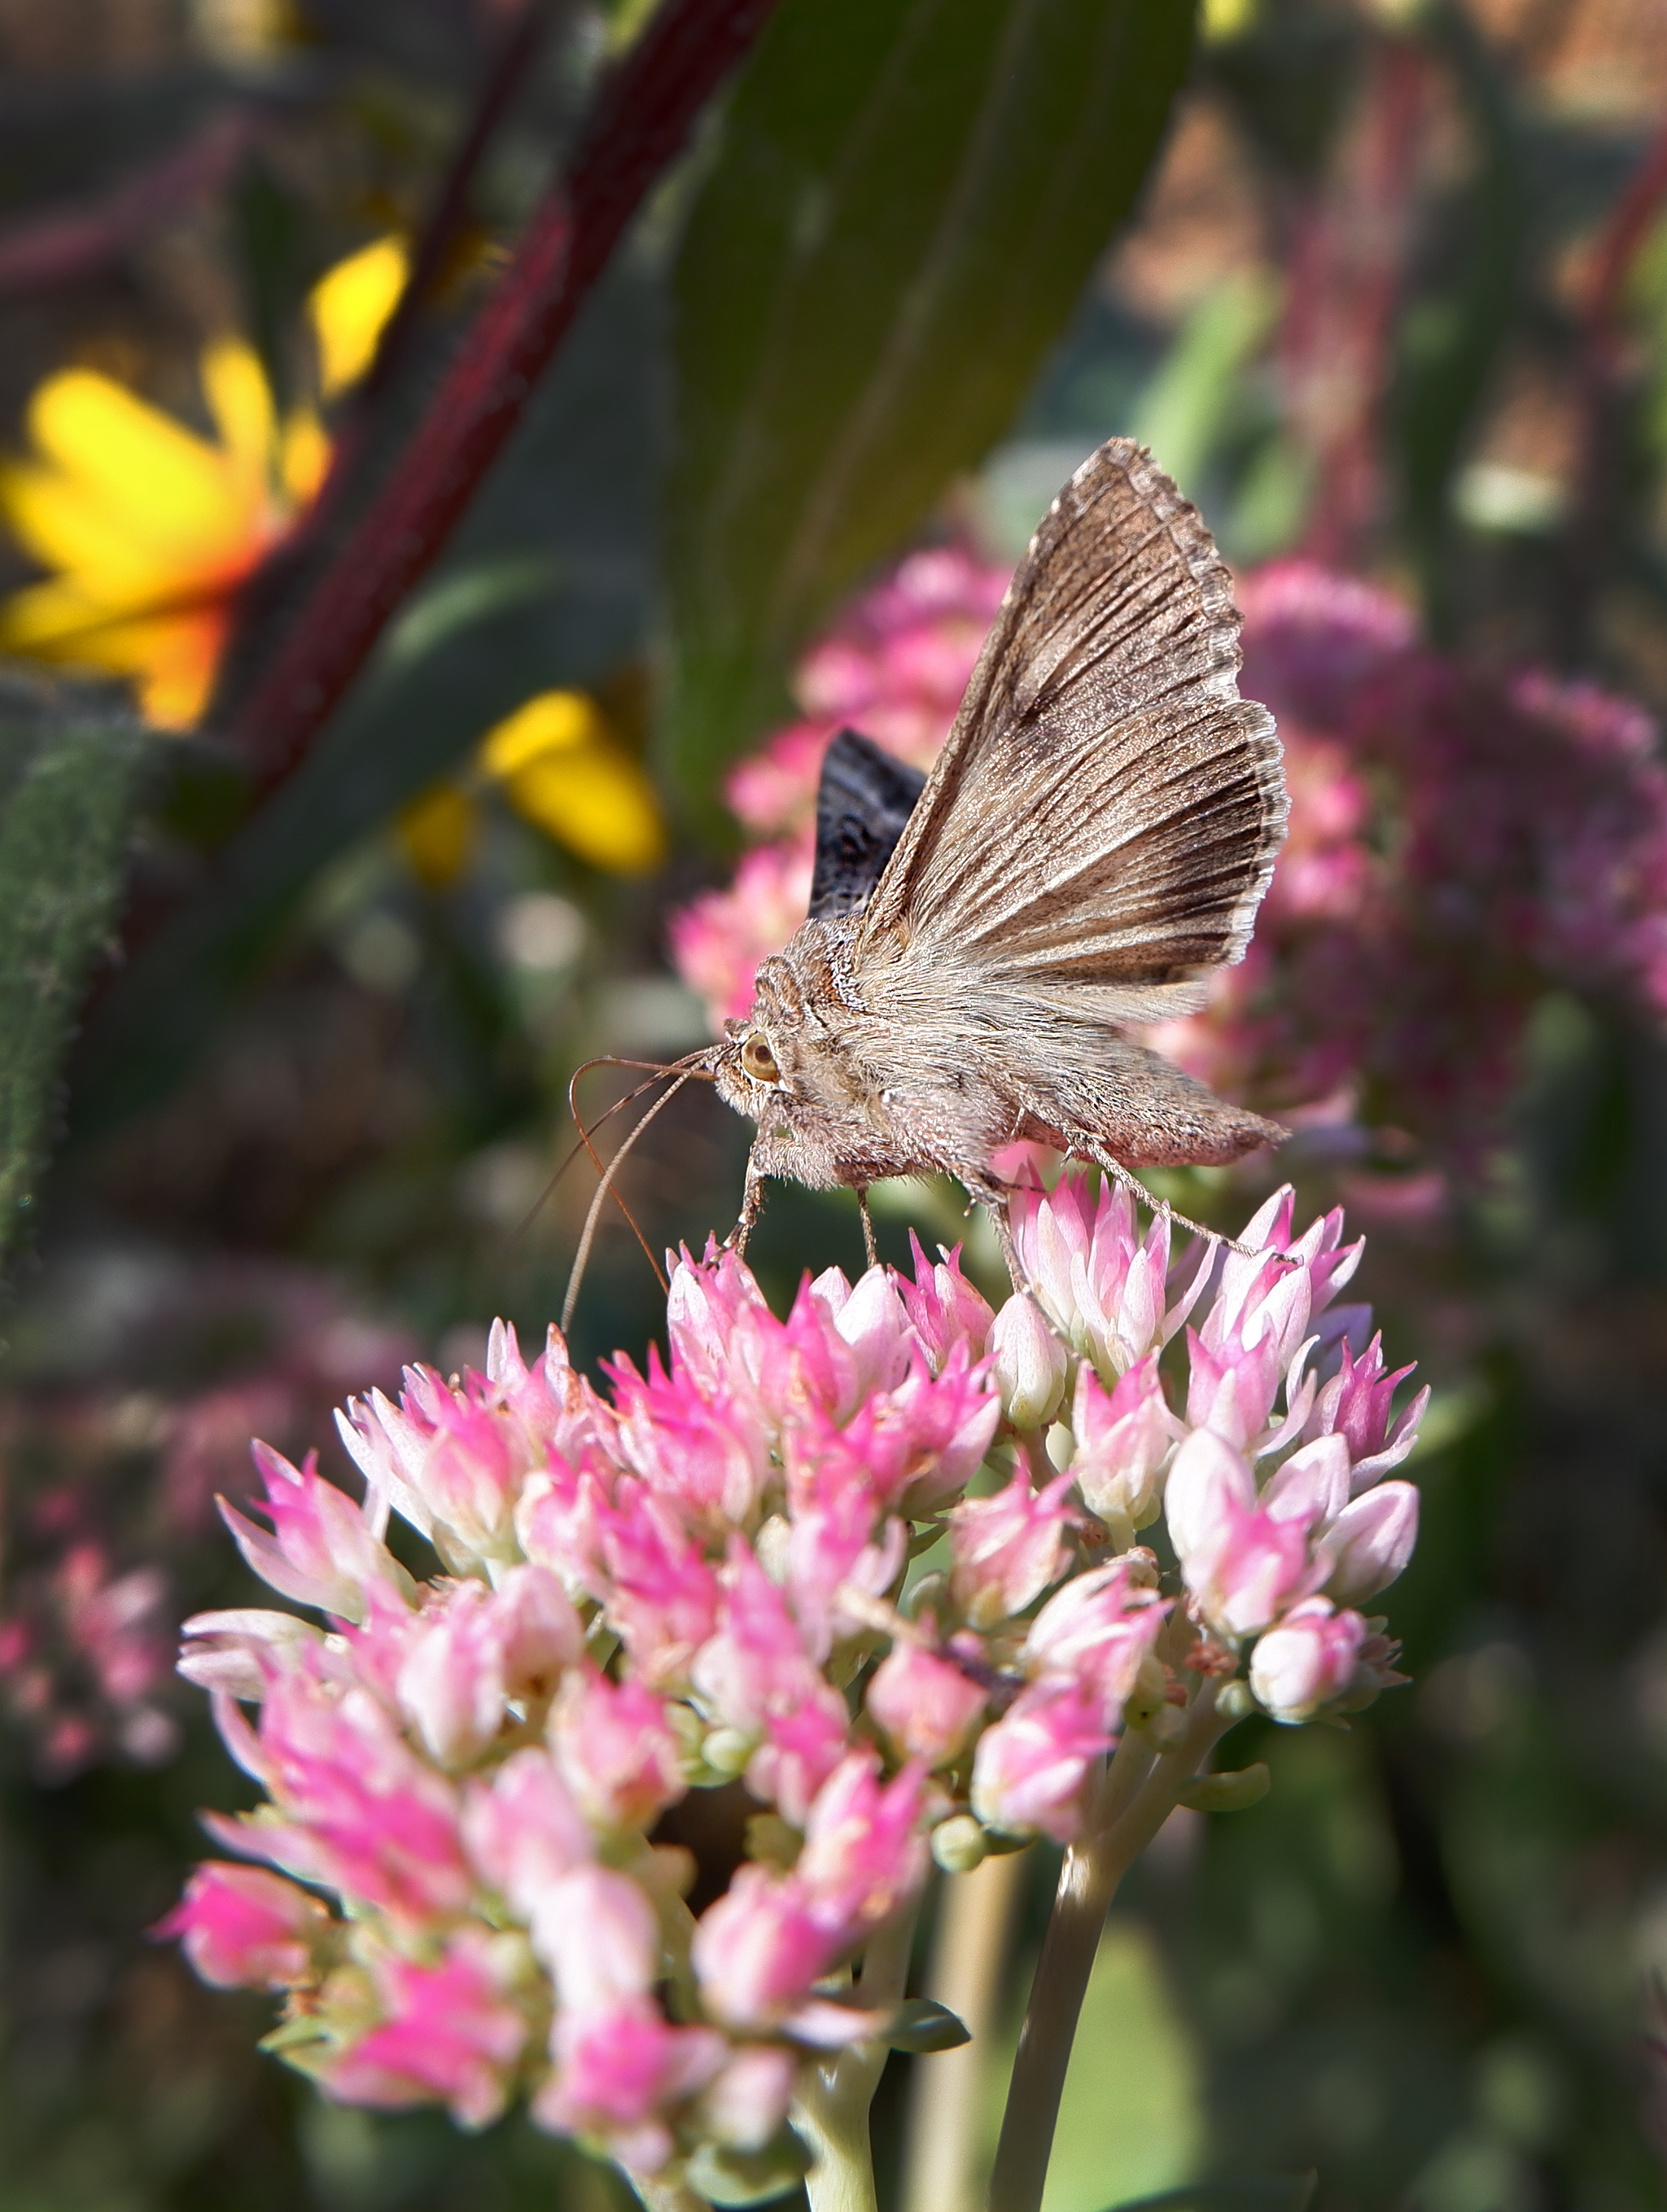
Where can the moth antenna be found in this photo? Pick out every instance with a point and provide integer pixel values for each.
(580, 1146)
(603, 1187)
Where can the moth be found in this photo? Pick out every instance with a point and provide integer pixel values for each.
(1091, 846)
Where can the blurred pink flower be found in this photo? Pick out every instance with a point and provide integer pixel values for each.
(242, 1928)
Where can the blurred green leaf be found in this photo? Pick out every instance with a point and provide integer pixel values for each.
(1185, 409)
(1451, 341)
(1254, 2192)
(907, 204)
(68, 770)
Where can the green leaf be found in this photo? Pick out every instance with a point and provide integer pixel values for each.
(1452, 342)
(69, 772)
(726, 2176)
(908, 200)
(922, 2025)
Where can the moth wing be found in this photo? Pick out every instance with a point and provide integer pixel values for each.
(864, 802)
(1104, 819)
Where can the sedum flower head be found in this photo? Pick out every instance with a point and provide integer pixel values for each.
(464, 1878)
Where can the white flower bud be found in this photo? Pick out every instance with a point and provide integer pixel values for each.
(1031, 1363)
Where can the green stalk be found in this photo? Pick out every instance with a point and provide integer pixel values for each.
(832, 2112)
(1138, 1791)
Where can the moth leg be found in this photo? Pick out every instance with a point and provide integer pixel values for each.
(870, 1244)
(1137, 1190)
(752, 1205)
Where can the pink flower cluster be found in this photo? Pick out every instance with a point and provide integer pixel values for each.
(1458, 843)
(874, 1560)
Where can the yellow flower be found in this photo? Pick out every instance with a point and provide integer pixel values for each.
(146, 528)
(560, 765)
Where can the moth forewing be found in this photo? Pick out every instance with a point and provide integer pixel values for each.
(1090, 847)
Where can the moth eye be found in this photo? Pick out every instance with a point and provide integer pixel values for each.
(759, 1061)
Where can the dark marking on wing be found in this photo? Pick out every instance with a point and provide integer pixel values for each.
(862, 805)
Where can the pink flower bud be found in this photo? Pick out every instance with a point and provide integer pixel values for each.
(1099, 1283)
(925, 1705)
(1356, 1403)
(363, 1814)
(759, 1949)
(747, 2099)
(233, 1652)
(596, 1931)
(1096, 1631)
(1029, 1769)
(322, 1551)
(864, 1851)
(615, 1750)
(1123, 1438)
(450, 1686)
(1243, 1565)
(243, 1927)
(661, 1595)
(617, 2071)
(1371, 1542)
(1029, 1361)
(945, 1308)
(1006, 1549)
(524, 1831)
(1308, 1660)
(450, 2034)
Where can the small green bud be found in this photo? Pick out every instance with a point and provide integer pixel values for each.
(726, 1750)
(1235, 1703)
(959, 1844)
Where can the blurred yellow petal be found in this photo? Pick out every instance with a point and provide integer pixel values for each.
(303, 456)
(438, 832)
(156, 478)
(554, 722)
(349, 306)
(596, 801)
(240, 401)
(49, 619)
(70, 525)
(173, 657)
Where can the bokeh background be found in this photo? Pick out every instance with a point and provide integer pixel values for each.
(1386, 289)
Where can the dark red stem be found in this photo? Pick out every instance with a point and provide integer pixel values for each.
(1624, 233)
(639, 123)
(72, 243)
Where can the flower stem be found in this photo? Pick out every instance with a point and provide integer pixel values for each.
(1139, 1791)
(832, 2112)
(940, 2170)
(640, 122)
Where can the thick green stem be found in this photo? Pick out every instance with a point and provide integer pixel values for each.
(832, 2112)
(1139, 1791)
